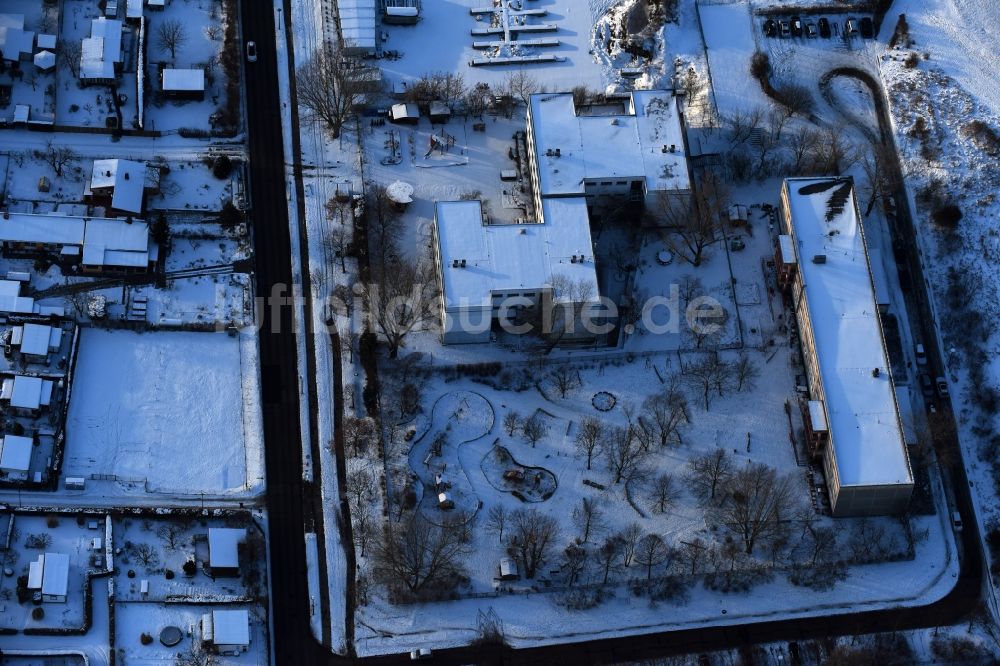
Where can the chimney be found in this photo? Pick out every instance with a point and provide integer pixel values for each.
(558, 152)
(126, 175)
(463, 263)
(572, 259)
(876, 372)
(819, 259)
(673, 148)
(454, 263)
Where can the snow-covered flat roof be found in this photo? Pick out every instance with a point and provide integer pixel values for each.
(223, 546)
(186, 80)
(231, 627)
(28, 392)
(511, 257)
(861, 407)
(127, 178)
(114, 242)
(45, 229)
(34, 339)
(357, 22)
(15, 41)
(100, 51)
(55, 574)
(15, 453)
(644, 139)
(11, 299)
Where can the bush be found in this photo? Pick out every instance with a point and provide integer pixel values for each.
(911, 61)
(190, 567)
(168, 574)
(760, 66)
(222, 167)
(145, 639)
(230, 216)
(37, 613)
(948, 215)
(52, 522)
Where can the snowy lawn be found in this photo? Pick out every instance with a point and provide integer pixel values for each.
(190, 186)
(142, 402)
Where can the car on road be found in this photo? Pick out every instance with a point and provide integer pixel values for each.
(926, 385)
(811, 30)
(824, 28)
(956, 520)
(942, 388)
(421, 654)
(796, 26)
(921, 354)
(251, 51)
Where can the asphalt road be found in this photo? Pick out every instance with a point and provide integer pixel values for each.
(293, 640)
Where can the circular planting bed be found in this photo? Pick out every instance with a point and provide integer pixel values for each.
(604, 401)
(171, 636)
(526, 483)
(664, 257)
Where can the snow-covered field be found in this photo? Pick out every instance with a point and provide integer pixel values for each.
(143, 402)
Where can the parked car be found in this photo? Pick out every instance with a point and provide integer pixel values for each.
(942, 388)
(421, 654)
(783, 28)
(956, 520)
(770, 28)
(796, 26)
(926, 385)
(251, 51)
(824, 28)
(921, 355)
(867, 28)
(851, 27)
(811, 30)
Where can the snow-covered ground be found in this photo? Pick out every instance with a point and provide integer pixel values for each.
(142, 402)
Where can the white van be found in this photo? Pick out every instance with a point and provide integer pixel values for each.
(956, 521)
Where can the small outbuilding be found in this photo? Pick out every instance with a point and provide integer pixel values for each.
(15, 457)
(227, 630)
(183, 83)
(439, 112)
(26, 393)
(45, 61)
(407, 114)
(508, 569)
(223, 550)
(445, 502)
(49, 575)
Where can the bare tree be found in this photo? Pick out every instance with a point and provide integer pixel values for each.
(534, 429)
(360, 434)
(564, 378)
(477, 98)
(629, 539)
(57, 157)
(879, 174)
(709, 473)
(650, 552)
(197, 655)
(497, 520)
(692, 225)
(693, 84)
(385, 225)
(401, 299)
(608, 553)
(745, 372)
(511, 422)
(170, 36)
(530, 538)
(589, 438)
(795, 99)
(757, 500)
(360, 486)
(692, 554)
(624, 453)
(339, 242)
(574, 561)
(147, 555)
(821, 543)
(172, 534)
(421, 556)
(589, 518)
(663, 493)
(520, 85)
(802, 142)
(364, 527)
(332, 84)
(710, 374)
(667, 412)
(744, 123)
(833, 154)
(70, 52)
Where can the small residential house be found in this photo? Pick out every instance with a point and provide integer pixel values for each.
(101, 54)
(16, 43)
(223, 550)
(121, 185)
(183, 83)
(49, 574)
(15, 457)
(36, 341)
(26, 394)
(227, 630)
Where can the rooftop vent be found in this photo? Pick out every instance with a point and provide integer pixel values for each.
(558, 152)
(819, 259)
(126, 175)
(876, 372)
(463, 263)
(572, 259)
(454, 263)
(524, 232)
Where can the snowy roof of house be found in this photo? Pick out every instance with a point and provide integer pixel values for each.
(100, 51)
(631, 142)
(231, 627)
(15, 453)
(133, 9)
(44, 41)
(15, 41)
(55, 575)
(115, 242)
(861, 407)
(45, 229)
(357, 22)
(223, 546)
(126, 178)
(45, 60)
(186, 80)
(27, 392)
(11, 299)
(511, 257)
(34, 339)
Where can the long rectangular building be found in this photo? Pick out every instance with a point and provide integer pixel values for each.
(853, 417)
